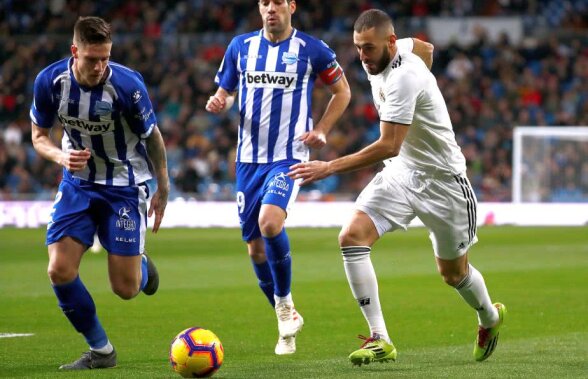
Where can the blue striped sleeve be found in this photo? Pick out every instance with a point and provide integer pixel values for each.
(138, 109)
(227, 76)
(322, 57)
(43, 109)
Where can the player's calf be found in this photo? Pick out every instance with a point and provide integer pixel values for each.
(152, 276)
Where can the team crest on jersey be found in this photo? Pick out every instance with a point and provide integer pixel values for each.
(125, 221)
(136, 96)
(103, 108)
(382, 96)
(289, 58)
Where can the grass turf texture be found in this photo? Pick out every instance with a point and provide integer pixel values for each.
(541, 274)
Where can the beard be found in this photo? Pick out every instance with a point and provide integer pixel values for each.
(380, 64)
(277, 27)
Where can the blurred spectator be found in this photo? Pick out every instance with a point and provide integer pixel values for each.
(177, 45)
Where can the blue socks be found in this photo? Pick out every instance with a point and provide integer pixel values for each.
(78, 306)
(277, 250)
(264, 277)
(144, 274)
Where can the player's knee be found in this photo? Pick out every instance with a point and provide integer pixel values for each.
(61, 274)
(257, 256)
(269, 227)
(453, 271)
(452, 280)
(452, 277)
(126, 291)
(349, 236)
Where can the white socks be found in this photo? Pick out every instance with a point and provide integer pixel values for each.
(364, 286)
(286, 299)
(104, 350)
(473, 290)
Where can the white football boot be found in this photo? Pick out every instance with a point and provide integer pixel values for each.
(286, 345)
(289, 321)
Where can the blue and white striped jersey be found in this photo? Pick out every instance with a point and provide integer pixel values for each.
(112, 120)
(275, 83)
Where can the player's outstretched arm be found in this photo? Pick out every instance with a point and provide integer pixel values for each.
(423, 50)
(387, 146)
(221, 101)
(340, 97)
(74, 160)
(157, 155)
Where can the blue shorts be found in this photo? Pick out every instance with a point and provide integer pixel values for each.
(118, 214)
(258, 184)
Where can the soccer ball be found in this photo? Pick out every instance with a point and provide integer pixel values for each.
(196, 353)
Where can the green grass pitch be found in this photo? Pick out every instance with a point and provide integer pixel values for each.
(541, 274)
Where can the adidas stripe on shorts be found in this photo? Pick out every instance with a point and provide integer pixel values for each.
(445, 203)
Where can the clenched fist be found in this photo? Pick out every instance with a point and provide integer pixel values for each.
(75, 160)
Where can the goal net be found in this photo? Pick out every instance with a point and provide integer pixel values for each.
(550, 164)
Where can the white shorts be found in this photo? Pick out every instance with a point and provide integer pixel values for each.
(445, 203)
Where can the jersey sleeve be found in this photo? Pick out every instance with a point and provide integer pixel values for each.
(324, 63)
(405, 45)
(401, 96)
(139, 111)
(227, 76)
(43, 108)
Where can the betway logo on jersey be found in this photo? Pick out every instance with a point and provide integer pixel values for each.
(264, 79)
(89, 127)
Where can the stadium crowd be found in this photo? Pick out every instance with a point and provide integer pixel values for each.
(490, 86)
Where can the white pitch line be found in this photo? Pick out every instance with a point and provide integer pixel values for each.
(12, 335)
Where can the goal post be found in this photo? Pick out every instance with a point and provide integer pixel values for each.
(550, 164)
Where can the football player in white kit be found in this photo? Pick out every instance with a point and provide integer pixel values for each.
(424, 176)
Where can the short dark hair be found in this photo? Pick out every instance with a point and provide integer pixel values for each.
(372, 18)
(92, 30)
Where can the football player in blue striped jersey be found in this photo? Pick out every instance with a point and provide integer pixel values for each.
(111, 146)
(273, 70)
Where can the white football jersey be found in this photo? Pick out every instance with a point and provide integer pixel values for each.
(406, 92)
